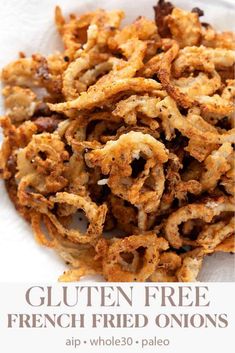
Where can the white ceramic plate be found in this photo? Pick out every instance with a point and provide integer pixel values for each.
(28, 26)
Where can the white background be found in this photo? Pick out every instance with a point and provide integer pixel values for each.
(188, 340)
(28, 26)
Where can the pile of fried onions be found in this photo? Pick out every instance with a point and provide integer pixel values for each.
(119, 150)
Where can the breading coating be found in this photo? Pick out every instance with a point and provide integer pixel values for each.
(115, 266)
(185, 27)
(115, 160)
(205, 211)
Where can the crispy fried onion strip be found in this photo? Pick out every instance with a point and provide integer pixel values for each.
(164, 75)
(90, 63)
(37, 219)
(95, 215)
(117, 267)
(216, 164)
(228, 245)
(169, 263)
(75, 274)
(129, 108)
(196, 147)
(190, 268)
(20, 103)
(36, 71)
(202, 58)
(185, 27)
(42, 162)
(124, 213)
(228, 179)
(214, 234)
(151, 108)
(115, 159)
(74, 79)
(213, 39)
(80, 258)
(99, 93)
(141, 28)
(117, 80)
(176, 188)
(205, 211)
(14, 138)
(201, 85)
(74, 32)
(20, 73)
(195, 127)
(185, 90)
(215, 107)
